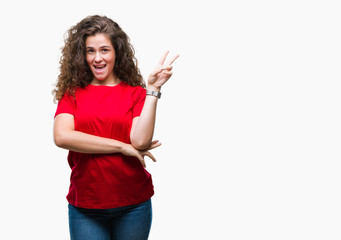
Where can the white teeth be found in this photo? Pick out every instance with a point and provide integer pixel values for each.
(100, 68)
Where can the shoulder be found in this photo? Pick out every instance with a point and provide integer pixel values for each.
(136, 93)
(71, 96)
(133, 89)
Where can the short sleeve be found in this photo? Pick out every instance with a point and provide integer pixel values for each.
(139, 98)
(66, 105)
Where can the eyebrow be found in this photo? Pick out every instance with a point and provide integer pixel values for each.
(100, 47)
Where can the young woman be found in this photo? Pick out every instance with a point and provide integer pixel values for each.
(105, 118)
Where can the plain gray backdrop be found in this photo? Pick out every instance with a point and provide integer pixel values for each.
(250, 120)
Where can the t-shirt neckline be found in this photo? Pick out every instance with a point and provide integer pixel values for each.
(109, 86)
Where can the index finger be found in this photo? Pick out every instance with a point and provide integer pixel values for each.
(154, 144)
(163, 58)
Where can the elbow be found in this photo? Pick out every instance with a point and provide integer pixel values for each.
(141, 145)
(59, 140)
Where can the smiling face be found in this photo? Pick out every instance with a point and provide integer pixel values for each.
(100, 56)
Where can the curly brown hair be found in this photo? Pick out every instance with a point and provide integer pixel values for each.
(74, 70)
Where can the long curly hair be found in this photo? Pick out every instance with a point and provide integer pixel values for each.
(74, 70)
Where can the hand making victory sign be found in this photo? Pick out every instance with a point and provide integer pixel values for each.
(161, 73)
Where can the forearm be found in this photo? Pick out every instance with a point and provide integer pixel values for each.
(85, 143)
(142, 134)
(143, 129)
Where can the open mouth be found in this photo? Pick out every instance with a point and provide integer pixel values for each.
(100, 68)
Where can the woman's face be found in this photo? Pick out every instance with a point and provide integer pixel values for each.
(100, 56)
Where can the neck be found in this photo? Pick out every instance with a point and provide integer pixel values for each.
(110, 81)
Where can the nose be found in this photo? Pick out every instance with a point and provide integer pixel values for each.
(98, 57)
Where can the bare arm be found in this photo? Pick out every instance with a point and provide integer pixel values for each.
(142, 131)
(66, 137)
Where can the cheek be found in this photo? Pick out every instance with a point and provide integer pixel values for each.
(88, 59)
(111, 61)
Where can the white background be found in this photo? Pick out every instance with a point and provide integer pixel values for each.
(250, 120)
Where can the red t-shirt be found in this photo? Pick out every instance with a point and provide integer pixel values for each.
(100, 181)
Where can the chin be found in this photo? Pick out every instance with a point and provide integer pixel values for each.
(100, 77)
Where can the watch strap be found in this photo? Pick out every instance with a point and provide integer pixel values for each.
(154, 93)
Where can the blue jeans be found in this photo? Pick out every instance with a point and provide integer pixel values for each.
(123, 223)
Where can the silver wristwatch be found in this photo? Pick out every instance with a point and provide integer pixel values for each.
(154, 93)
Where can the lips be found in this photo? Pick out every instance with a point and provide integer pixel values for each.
(100, 68)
